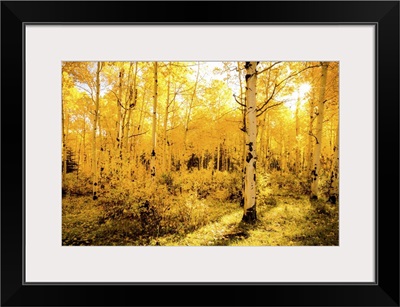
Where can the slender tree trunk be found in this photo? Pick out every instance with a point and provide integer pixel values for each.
(315, 173)
(165, 169)
(191, 104)
(309, 158)
(244, 138)
(283, 155)
(334, 188)
(132, 100)
(200, 160)
(139, 129)
(218, 156)
(227, 153)
(267, 142)
(77, 152)
(130, 93)
(120, 124)
(64, 145)
(79, 159)
(120, 110)
(249, 214)
(153, 151)
(84, 145)
(310, 138)
(261, 147)
(297, 167)
(95, 123)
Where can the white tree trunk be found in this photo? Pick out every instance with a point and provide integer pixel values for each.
(261, 149)
(190, 108)
(165, 168)
(283, 155)
(119, 105)
(153, 151)
(94, 141)
(249, 214)
(310, 137)
(120, 124)
(297, 167)
(267, 144)
(64, 145)
(334, 188)
(132, 100)
(243, 145)
(316, 167)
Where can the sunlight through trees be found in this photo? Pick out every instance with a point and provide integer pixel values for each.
(153, 152)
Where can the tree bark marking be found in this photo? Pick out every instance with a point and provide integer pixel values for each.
(316, 166)
(249, 214)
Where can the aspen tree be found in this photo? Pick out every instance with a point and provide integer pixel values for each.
(334, 187)
(155, 96)
(64, 145)
(190, 107)
(249, 208)
(297, 167)
(94, 140)
(316, 167)
(167, 105)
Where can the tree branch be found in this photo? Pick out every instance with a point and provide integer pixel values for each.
(263, 108)
(297, 73)
(137, 134)
(172, 128)
(311, 134)
(86, 90)
(270, 107)
(238, 102)
(223, 114)
(268, 68)
(119, 102)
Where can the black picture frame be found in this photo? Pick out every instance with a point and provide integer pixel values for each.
(383, 14)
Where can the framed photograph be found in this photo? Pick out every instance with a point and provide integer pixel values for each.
(200, 153)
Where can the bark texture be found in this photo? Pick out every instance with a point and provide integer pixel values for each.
(155, 96)
(94, 140)
(249, 214)
(316, 167)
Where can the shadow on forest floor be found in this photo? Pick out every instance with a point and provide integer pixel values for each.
(285, 221)
(291, 222)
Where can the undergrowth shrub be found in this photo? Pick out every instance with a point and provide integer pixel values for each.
(264, 196)
(76, 185)
(267, 200)
(132, 202)
(136, 212)
(153, 211)
(228, 186)
(184, 214)
(169, 181)
(285, 183)
(199, 182)
(289, 184)
(324, 185)
(216, 185)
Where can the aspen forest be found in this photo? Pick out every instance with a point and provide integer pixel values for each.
(200, 153)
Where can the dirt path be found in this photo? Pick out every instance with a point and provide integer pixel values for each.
(287, 221)
(291, 222)
(214, 233)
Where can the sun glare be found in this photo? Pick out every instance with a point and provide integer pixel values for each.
(304, 89)
(299, 95)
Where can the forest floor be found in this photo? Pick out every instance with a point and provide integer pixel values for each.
(286, 220)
